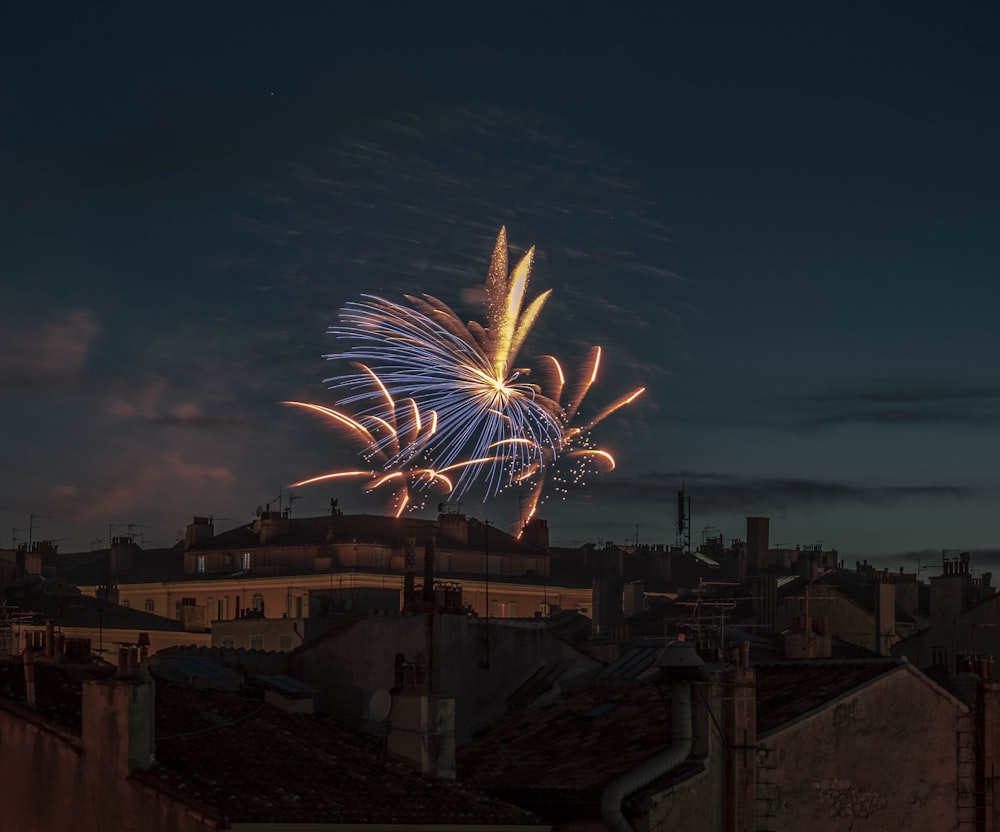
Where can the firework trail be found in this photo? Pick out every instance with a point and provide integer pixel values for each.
(575, 442)
(399, 468)
(493, 424)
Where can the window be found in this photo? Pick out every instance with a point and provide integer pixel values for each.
(220, 610)
(256, 642)
(228, 643)
(150, 605)
(248, 560)
(257, 603)
(285, 642)
(201, 563)
(381, 560)
(126, 603)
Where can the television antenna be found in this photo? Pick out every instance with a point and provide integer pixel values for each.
(31, 525)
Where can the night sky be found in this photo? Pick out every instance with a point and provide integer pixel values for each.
(782, 219)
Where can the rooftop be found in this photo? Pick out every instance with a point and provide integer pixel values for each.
(241, 759)
(788, 690)
(569, 750)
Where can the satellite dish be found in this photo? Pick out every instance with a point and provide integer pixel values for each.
(379, 705)
(259, 511)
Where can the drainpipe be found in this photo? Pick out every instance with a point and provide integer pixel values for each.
(655, 767)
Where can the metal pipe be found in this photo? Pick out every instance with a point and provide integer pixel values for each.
(655, 767)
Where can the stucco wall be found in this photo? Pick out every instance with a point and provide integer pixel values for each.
(883, 758)
(50, 783)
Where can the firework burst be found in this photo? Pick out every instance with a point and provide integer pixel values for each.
(434, 402)
(487, 408)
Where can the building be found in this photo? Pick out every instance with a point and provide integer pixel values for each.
(783, 745)
(89, 747)
(275, 564)
(478, 663)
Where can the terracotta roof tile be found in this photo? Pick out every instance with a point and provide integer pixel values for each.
(570, 749)
(788, 690)
(243, 760)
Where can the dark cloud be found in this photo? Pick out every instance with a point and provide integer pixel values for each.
(205, 422)
(729, 493)
(889, 403)
(895, 403)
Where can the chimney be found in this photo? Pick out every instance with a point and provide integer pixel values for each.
(633, 599)
(758, 542)
(536, 533)
(739, 724)
(430, 547)
(118, 725)
(29, 676)
(33, 562)
(198, 531)
(885, 613)
(122, 553)
(950, 592)
(764, 590)
(455, 527)
(409, 573)
(606, 595)
(421, 727)
(273, 524)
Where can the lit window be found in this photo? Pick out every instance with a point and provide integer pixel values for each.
(248, 560)
(126, 604)
(150, 605)
(257, 603)
(201, 563)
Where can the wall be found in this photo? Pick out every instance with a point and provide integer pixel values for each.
(848, 621)
(974, 631)
(51, 782)
(237, 593)
(350, 664)
(882, 758)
